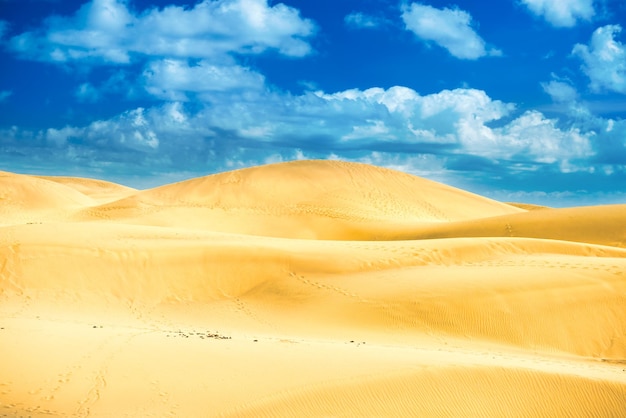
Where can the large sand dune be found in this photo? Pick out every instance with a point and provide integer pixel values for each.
(316, 199)
(306, 289)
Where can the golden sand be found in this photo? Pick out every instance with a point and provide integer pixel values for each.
(309, 288)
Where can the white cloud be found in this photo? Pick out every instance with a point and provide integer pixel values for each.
(132, 130)
(372, 129)
(560, 91)
(469, 103)
(534, 136)
(184, 50)
(59, 137)
(4, 95)
(561, 13)
(172, 79)
(448, 28)
(105, 31)
(121, 82)
(360, 20)
(604, 60)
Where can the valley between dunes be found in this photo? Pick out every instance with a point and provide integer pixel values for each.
(309, 288)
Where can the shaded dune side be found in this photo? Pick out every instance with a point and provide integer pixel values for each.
(449, 392)
(28, 192)
(527, 206)
(100, 191)
(25, 198)
(570, 298)
(303, 199)
(605, 225)
(554, 303)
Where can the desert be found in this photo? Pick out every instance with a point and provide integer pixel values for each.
(306, 288)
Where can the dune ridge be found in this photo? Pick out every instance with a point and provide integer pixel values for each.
(310, 288)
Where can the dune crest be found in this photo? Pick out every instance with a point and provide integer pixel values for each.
(310, 288)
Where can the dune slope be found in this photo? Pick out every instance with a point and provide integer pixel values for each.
(294, 290)
(593, 224)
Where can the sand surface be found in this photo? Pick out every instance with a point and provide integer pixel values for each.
(311, 288)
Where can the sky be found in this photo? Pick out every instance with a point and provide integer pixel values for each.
(517, 100)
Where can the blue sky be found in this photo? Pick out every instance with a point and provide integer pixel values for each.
(519, 100)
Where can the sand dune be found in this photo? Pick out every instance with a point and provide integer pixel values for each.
(306, 289)
(316, 199)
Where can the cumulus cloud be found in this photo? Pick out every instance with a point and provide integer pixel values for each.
(448, 28)
(561, 13)
(106, 31)
(604, 60)
(533, 135)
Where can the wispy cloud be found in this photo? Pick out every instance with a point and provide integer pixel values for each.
(560, 91)
(4, 27)
(86, 92)
(561, 13)
(4, 95)
(448, 28)
(358, 20)
(604, 60)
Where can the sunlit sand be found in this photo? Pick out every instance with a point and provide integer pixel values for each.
(310, 288)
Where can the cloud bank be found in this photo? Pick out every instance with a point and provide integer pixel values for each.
(351, 123)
